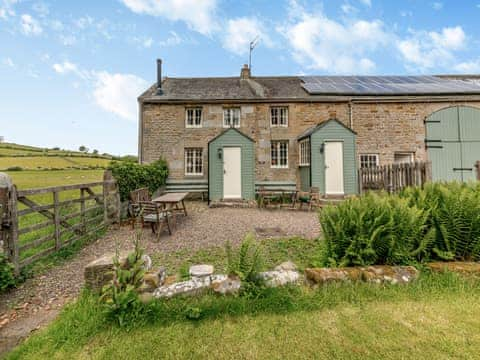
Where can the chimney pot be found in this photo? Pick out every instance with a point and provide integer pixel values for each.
(245, 72)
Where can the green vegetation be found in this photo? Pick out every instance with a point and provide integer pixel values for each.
(131, 176)
(121, 296)
(435, 317)
(36, 179)
(438, 222)
(247, 261)
(7, 279)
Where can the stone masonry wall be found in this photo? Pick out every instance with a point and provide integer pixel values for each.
(382, 128)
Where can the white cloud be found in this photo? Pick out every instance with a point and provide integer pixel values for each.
(348, 9)
(199, 15)
(117, 93)
(469, 67)
(427, 50)
(6, 9)
(68, 40)
(30, 26)
(172, 40)
(321, 43)
(437, 5)
(41, 9)
(240, 32)
(8, 62)
(366, 2)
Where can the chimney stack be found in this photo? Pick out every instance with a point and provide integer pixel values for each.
(159, 76)
(245, 72)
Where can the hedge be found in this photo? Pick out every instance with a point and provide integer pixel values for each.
(131, 176)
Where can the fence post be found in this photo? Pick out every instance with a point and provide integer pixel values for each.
(56, 220)
(82, 210)
(111, 199)
(9, 220)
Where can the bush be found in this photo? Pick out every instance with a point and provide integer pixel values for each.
(131, 176)
(438, 222)
(120, 296)
(7, 278)
(15, 168)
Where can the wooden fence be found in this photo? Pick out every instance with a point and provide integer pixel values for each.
(394, 177)
(39, 222)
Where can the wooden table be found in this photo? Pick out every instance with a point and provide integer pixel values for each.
(171, 201)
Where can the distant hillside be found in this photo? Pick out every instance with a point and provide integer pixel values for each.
(24, 157)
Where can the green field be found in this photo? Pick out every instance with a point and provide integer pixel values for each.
(12, 149)
(40, 179)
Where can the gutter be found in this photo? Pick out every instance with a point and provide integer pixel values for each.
(140, 131)
(312, 100)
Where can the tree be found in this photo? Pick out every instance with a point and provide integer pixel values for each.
(83, 148)
(95, 151)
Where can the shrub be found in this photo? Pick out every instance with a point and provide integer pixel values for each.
(120, 296)
(7, 278)
(438, 222)
(246, 263)
(15, 168)
(131, 176)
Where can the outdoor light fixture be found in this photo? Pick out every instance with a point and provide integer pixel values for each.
(322, 147)
(219, 153)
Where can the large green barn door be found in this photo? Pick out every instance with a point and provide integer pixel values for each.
(453, 143)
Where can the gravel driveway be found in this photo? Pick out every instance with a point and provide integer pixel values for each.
(38, 300)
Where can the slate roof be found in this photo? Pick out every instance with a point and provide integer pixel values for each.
(296, 88)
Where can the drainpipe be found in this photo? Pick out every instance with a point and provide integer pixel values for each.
(350, 113)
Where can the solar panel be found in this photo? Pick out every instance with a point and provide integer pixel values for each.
(387, 85)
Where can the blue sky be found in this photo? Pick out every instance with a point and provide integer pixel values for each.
(70, 71)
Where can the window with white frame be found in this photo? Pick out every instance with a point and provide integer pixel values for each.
(304, 153)
(231, 117)
(193, 161)
(279, 154)
(193, 117)
(403, 157)
(279, 116)
(368, 160)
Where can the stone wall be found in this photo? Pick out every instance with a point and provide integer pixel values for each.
(382, 128)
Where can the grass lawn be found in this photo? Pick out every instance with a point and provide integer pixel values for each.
(43, 178)
(434, 318)
(49, 162)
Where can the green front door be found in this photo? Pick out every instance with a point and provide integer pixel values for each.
(453, 143)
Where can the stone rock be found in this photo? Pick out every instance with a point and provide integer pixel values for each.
(190, 287)
(375, 274)
(200, 271)
(147, 262)
(456, 266)
(279, 278)
(153, 279)
(286, 266)
(229, 286)
(99, 272)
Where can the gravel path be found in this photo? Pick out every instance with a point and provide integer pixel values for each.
(38, 300)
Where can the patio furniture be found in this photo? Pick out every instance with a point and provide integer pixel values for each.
(268, 196)
(310, 199)
(174, 202)
(136, 197)
(154, 214)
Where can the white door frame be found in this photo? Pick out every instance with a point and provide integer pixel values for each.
(232, 173)
(335, 185)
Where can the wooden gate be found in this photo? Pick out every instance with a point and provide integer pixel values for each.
(39, 222)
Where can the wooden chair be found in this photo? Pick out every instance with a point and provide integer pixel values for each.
(136, 197)
(310, 199)
(155, 215)
(266, 198)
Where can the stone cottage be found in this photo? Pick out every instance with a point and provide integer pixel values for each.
(230, 135)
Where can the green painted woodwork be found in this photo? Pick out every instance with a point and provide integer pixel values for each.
(305, 178)
(331, 131)
(231, 138)
(456, 131)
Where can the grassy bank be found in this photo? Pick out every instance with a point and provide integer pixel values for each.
(436, 317)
